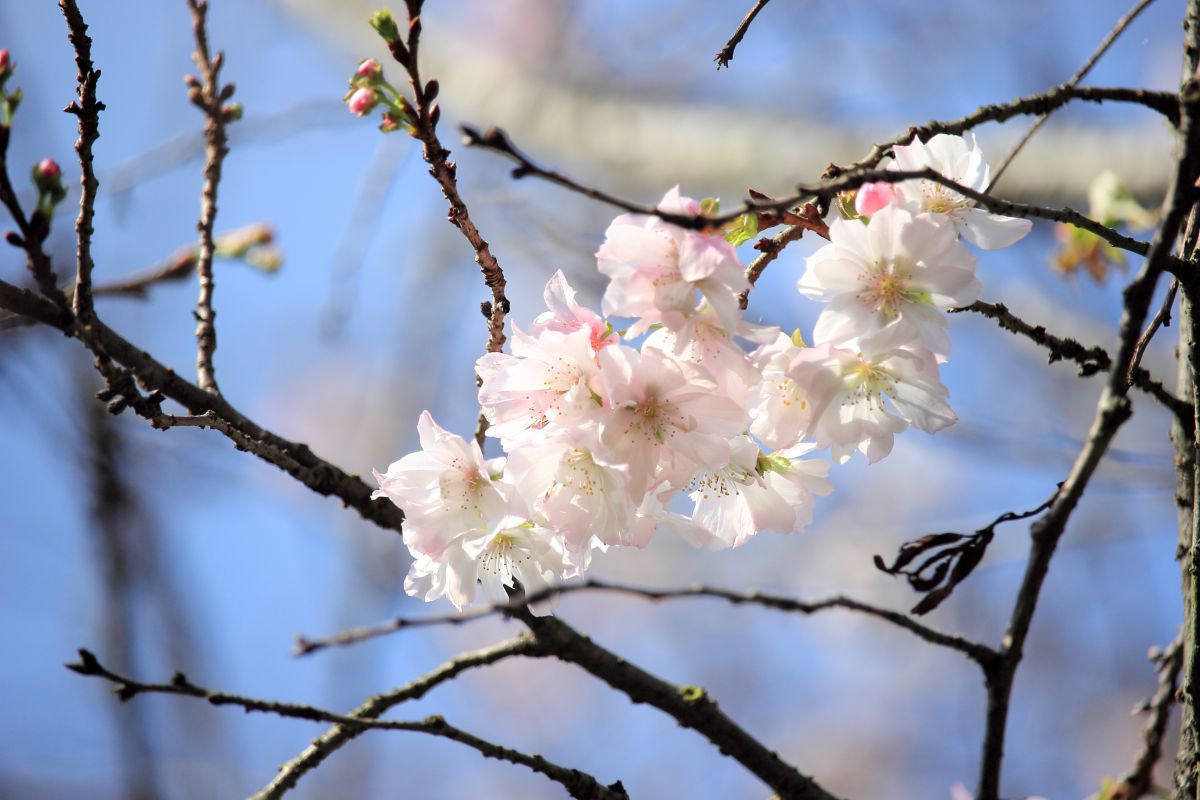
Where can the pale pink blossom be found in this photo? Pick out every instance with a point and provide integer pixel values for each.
(551, 379)
(873, 196)
(778, 406)
(567, 316)
(513, 550)
(657, 269)
(704, 341)
(446, 489)
(664, 418)
(560, 479)
(861, 399)
(893, 276)
(960, 160)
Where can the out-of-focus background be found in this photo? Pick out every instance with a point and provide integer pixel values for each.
(165, 551)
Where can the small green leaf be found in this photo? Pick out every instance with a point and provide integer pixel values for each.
(710, 206)
(742, 229)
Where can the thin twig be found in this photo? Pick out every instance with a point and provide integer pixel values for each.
(979, 653)
(499, 142)
(1139, 781)
(1161, 319)
(209, 96)
(769, 250)
(33, 230)
(577, 783)
(1091, 360)
(424, 120)
(87, 110)
(725, 55)
(1117, 29)
(337, 736)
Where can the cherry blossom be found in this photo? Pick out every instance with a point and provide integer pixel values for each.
(960, 160)
(892, 276)
(847, 390)
(445, 489)
(567, 316)
(656, 270)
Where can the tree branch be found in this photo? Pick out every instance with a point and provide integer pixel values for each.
(424, 119)
(209, 96)
(690, 706)
(333, 739)
(1091, 360)
(1113, 34)
(577, 783)
(979, 653)
(1139, 781)
(725, 54)
(87, 110)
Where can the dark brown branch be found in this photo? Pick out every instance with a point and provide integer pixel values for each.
(208, 95)
(1161, 319)
(87, 110)
(725, 55)
(1139, 781)
(424, 120)
(979, 653)
(499, 142)
(578, 784)
(690, 706)
(334, 738)
(1112, 409)
(1091, 360)
(1113, 34)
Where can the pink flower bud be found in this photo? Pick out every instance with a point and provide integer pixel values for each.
(5, 63)
(873, 196)
(368, 69)
(362, 101)
(47, 170)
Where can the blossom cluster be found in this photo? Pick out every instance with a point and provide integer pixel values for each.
(692, 419)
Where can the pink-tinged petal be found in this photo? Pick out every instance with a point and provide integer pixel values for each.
(873, 196)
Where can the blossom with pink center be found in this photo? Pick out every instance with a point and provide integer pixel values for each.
(860, 400)
(892, 277)
(567, 316)
(656, 269)
(755, 492)
(873, 196)
(960, 160)
(446, 489)
(664, 419)
(551, 379)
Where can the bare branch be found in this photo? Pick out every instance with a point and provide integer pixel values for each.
(424, 120)
(725, 55)
(979, 653)
(1161, 319)
(1113, 34)
(1139, 781)
(578, 784)
(208, 95)
(1091, 360)
(330, 741)
(690, 706)
(87, 110)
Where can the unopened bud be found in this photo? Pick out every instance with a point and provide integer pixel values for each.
(385, 26)
(361, 101)
(5, 62)
(431, 90)
(391, 122)
(873, 196)
(47, 171)
(369, 69)
(233, 112)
